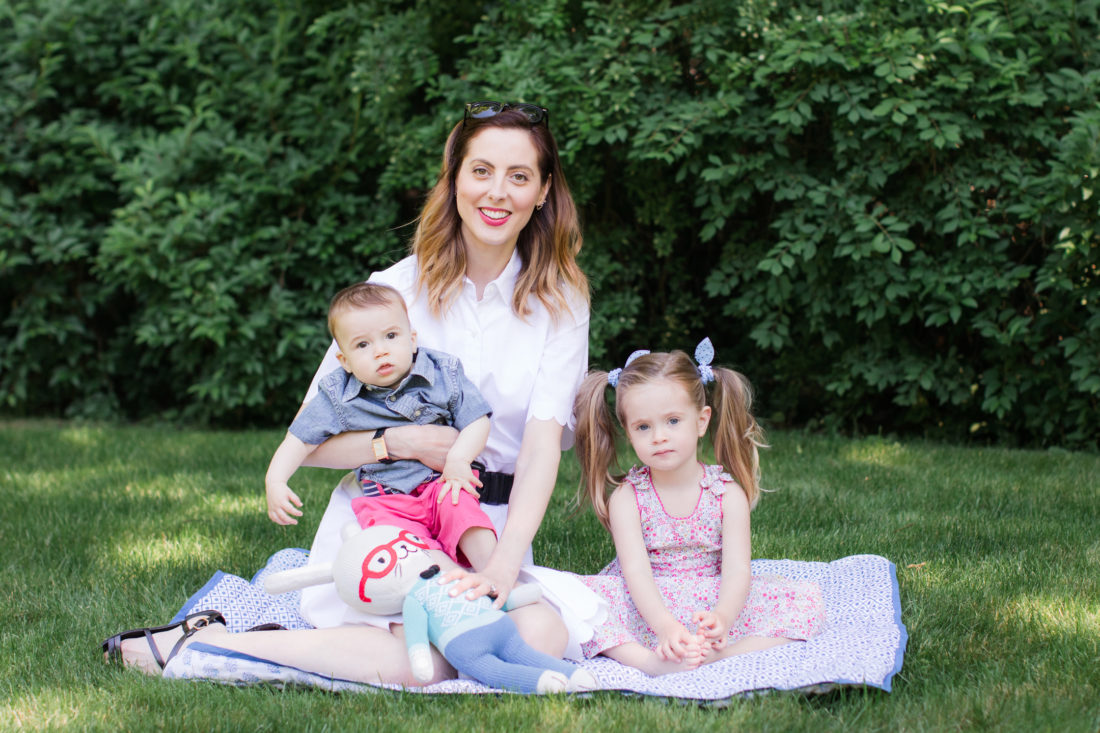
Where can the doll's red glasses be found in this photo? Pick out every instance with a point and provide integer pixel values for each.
(383, 558)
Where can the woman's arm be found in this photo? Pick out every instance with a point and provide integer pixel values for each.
(561, 365)
(536, 474)
(736, 569)
(425, 443)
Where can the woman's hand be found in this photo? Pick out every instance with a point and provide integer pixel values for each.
(713, 628)
(495, 582)
(428, 444)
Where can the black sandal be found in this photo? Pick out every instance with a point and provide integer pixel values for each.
(191, 623)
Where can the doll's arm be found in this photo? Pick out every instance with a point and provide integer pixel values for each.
(674, 640)
(457, 474)
(282, 502)
(714, 623)
(415, 617)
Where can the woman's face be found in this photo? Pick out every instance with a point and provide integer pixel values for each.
(498, 187)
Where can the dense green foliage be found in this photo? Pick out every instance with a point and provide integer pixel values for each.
(881, 212)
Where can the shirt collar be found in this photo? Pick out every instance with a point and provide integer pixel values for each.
(422, 367)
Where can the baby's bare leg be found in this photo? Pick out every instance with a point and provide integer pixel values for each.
(541, 627)
(477, 544)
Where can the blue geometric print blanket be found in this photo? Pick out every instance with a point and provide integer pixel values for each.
(863, 643)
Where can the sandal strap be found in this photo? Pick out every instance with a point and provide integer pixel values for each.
(153, 645)
(202, 620)
(112, 646)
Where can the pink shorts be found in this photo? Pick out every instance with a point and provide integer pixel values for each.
(441, 525)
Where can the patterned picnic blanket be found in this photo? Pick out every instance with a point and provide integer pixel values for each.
(863, 643)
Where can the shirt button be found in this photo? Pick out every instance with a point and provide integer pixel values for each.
(417, 413)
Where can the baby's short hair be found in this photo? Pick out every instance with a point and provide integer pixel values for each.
(362, 295)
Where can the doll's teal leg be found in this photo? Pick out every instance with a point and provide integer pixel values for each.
(517, 650)
(474, 657)
(496, 655)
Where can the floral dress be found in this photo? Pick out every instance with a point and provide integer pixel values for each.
(686, 556)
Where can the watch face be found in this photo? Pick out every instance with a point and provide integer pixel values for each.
(380, 452)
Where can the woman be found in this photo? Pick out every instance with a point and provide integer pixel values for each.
(492, 279)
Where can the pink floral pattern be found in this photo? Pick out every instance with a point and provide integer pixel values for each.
(686, 556)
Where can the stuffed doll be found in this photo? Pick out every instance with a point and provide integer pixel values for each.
(384, 569)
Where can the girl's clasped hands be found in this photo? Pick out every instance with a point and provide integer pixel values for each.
(676, 644)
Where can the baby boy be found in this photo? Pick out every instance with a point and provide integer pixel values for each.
(386, 381)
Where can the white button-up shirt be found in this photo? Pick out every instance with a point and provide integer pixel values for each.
(526, 369)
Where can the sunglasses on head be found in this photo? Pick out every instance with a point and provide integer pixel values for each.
(482, 110)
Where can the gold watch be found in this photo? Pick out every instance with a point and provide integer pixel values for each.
(378, 443)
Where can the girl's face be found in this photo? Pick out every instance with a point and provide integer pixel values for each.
(663, 424)
(497, 187)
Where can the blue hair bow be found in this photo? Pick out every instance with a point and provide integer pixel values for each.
(613, 375)
(704, 355)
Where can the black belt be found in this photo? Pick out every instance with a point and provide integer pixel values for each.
(496, 487)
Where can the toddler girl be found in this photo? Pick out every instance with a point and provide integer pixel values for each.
(680, 590)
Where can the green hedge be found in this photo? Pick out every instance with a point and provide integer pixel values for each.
(882, 212)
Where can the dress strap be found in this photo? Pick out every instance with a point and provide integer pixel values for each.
(715, 480)
(640, 478)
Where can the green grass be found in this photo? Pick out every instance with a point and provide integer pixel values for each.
(998, 555)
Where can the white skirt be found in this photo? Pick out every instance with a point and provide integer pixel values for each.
(580, 608)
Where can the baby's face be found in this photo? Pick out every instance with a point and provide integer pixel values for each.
(376, 343)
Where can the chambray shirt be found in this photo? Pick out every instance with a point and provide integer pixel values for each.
(435, 391)
(527, 368)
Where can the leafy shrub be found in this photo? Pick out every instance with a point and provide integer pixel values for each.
(883, 213)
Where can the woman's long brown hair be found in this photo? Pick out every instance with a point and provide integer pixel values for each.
(547, 246)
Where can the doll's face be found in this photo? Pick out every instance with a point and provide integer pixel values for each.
(377, 567)
(384, 559)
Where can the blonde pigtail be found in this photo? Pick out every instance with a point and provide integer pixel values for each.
(595, 445)
(736, 435)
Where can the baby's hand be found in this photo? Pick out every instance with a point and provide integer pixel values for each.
(457, 477)
(282, 504)
(713, 629)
